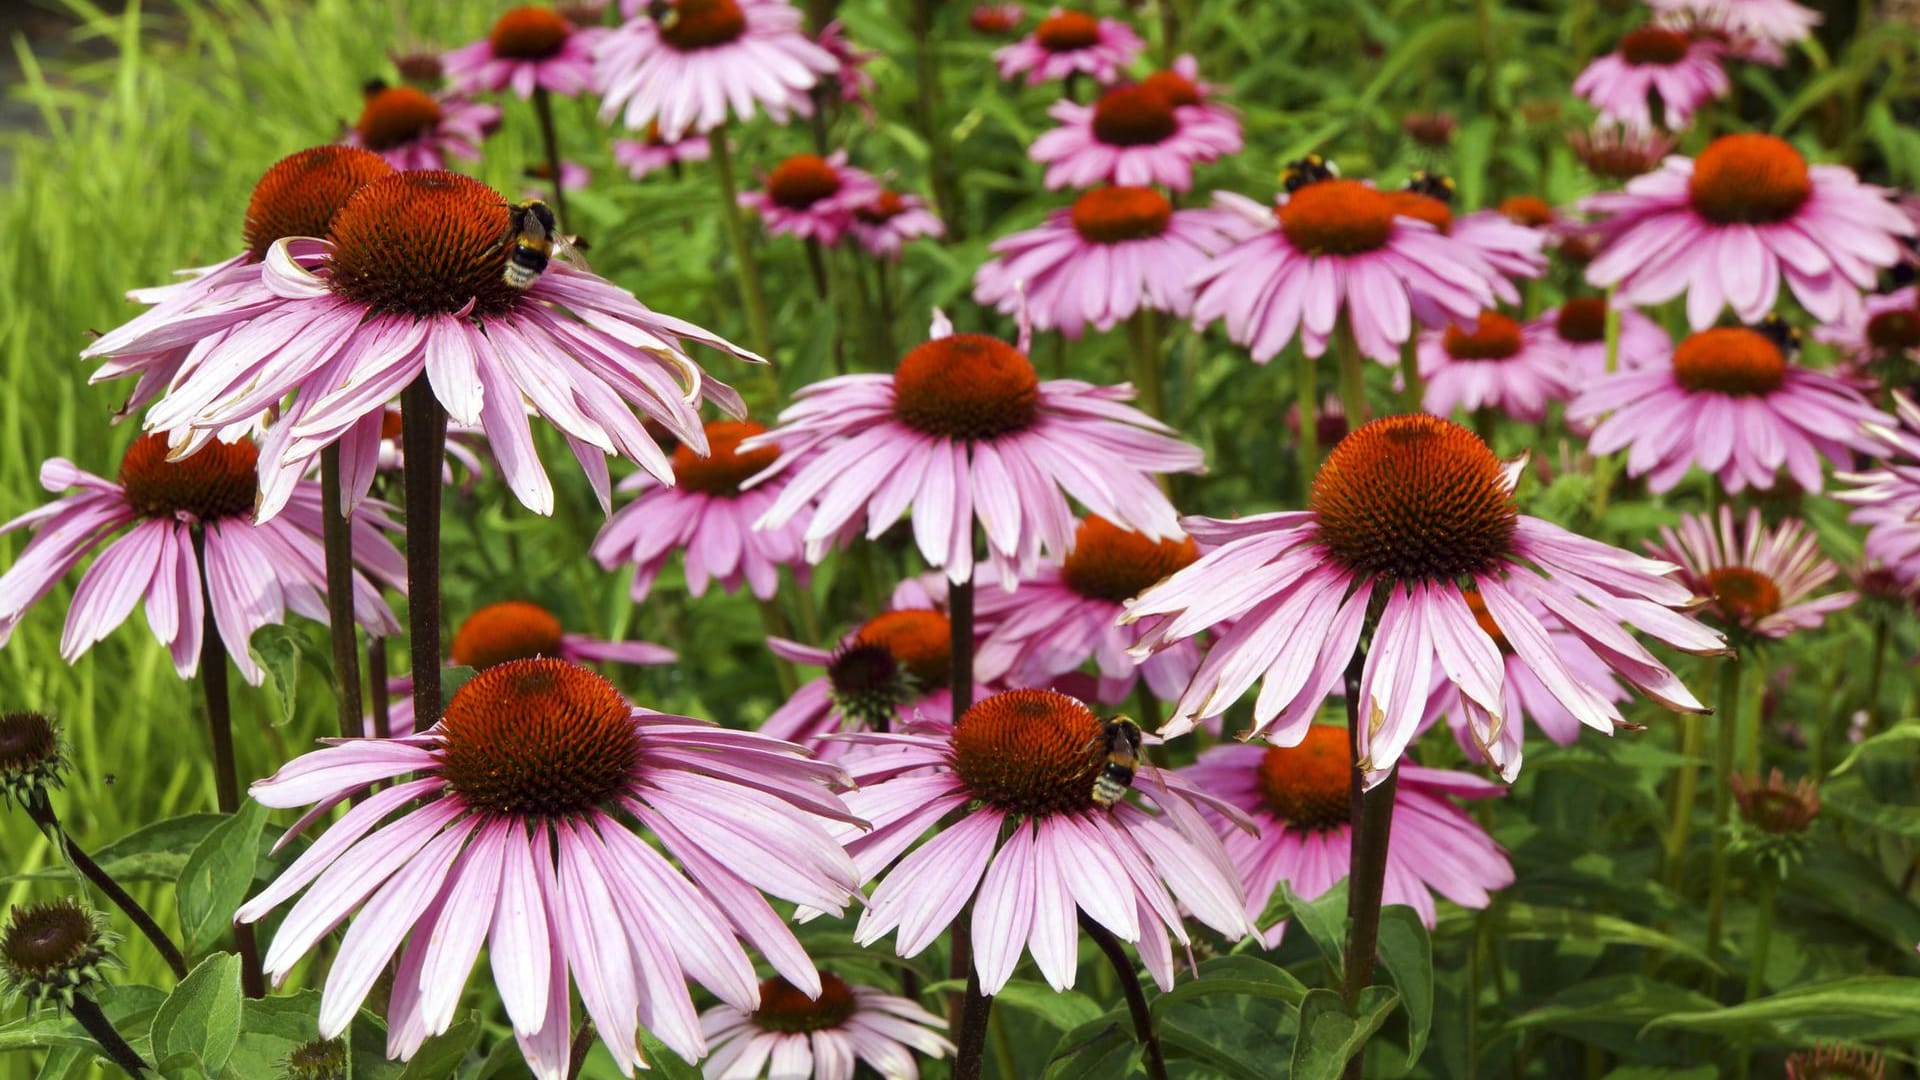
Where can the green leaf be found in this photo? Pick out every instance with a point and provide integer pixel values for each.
(1862, 997)
(1852, 801)
(1330, 1035)
(155, 852)
(451, 680)
(70, 1051)
(1654, 1072)
(1616, 999)
(184, 1065)
(215, 881)
(1100, 1049)
(442, 1055)
(1324, 919)
(1241, 976)
(1525, 921)
(1062, 1010)
(270, 1028)
(1176, 1039)
(1407, 953)
(1891, 739)
(202, 1015)
(665, 1063)
(280, 651)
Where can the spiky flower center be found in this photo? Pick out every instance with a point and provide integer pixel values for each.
(1894, 330)
(965, 386)
(868, 683)
(529, 33)
(1749, 179)
(1742, 594)
(1113, 215)
(1493, 337)
(703, 24)
(1337, 217)
(1422, 207)
(1529, 210)
(920, 640)
(1414, 498)
(422, 244)
(1729, 360)
(1138, 115)
(726, 466)
(1429, 129)
(1654, 46)
(802, 180)
(1582, 320)
(1776, 806)
(509, 630)
(1836, 1063)
(1115, 564)
(1175, 87)
(884, 208)
(299, 195)
(537, 738)
(1309, 785)
(321, 1059)
(52, 950)
(216, 481)
(1067, 31)
(29, 749)
(784, 1008)
(396, 115)
(1033, 752)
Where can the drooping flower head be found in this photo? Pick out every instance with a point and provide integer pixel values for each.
(1619, 153)
(1731, 401)
(1067, 43)
(149, 524)
(54, 952)
(1405, 512)
(1024, 763)
(851, 78)
(1728, 226)
(1775, 22)
(1887, 498)
(33, 757)
(998, 20)
(1500, 364)
(643, 156)
(1837, 1062)
(1759, 582)
(1774, 805)
(963, 430)
(703, 57)
(812, 197)
(1577, 329)
(1684, 70)
(794, 1036)
(413, 129)
(891, 218)
(529, 48)
(1299, 799)
(1150, 132)
(1129, 241)
(524, 824)
(1429, 129)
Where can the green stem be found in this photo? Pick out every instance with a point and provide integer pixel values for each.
(752, 293)
(775, 622)
(1686, 789)
(970, 1036)
(1372, 816)
(550, 138)
(1353, 374)
(1728, 727)
(111, 1042)
(41, 811)
(1765, 890)
(1414, 386)
(1306, 396)
(1146, 365)
(927, 58)
(1876, 671)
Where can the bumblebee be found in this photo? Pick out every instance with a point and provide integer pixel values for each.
(532, 233)
(1121, 740)
(1432, 185)
(1784, 335)
(1308, 170)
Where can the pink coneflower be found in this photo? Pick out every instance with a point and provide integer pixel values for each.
(413, 129)
(855, 83)
(1730, 401)
(1578, 329)
(812, 197)
(1887, 327)
(794, 1036)
(890, 219)
(1684, 70)
(1024, 762)
(1067, 614)
(1776, 22)
(1135, 134)
(703, 57)
(573, 177)
(256, 572)
(1507, 247)
(411, 282)
(1728, 226)
(1500, 364)
(528, 48)
(964, 429)
(1116, 251)
(642, 156)
(1331, 247)
(1299, 801)
(1067, 43)
(1760, 582)
(1415, 508)
(1620, 153)
(708, 516)
(1887, 498)
(998, 20)
(585, 898)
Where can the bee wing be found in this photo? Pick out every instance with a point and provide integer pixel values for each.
(565, 250)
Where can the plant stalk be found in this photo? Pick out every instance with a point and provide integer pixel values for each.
(970, 1037)
(1413, 384)
(550, 138)
(91, 1018)
(1372, 816)
(927, 58)
(41, 811)
(337, 529)
(424, 433)
(377, 687)
(752, 293)
(1306, 396)
(1686, 788)
(960, 689)
(1353, 374)
(1147, 376)
(1728, 719)
(1130, 989)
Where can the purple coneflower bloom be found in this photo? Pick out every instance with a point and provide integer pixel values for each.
(1760, 582)
(522, 828)
(1578, 329)
(1025, 762)
(1299, 801)
(256, 572)
(528, 48)
(1500, 365)
(643, 156)
(1507, 247)
(1730, 401)
(1115, 251)
(1411, 508)
(1068, 43)
(1684, 70)
(792, 1036)
(1725, 228)
(1887, 327)
(890, 219)
(413, 129)
(1136, 134)
(851, 60)
(684, 72)
(1776, 22)
(812, 197)
(964, 429)
(1619, 153)
(1000, 20)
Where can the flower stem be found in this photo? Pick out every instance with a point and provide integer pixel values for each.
(1414, 386)
(377, 686)
(927, 58)
(1686, 788)
(1372, 816)
(104, 1033)
(970, 1040)
(41, 811)
(1876, 670)
(1146, 365)
(1728, 721)
(577, 1050)
(1603, 467)
(337, 529)
(1130, 989)
(543, 109)
(751, 292)
(1765, 890)
(960, 689)
(1306, 396)
(775, 622)
(424, 435)
(1353, 375)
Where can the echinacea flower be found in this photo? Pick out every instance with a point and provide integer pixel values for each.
(33, 757)
(1299, 800)
(1508, 249)
(642, 156)
(812, 197)
(854, 82)
(413, 129)
(573, 177)
(1411, 509)
(1336, 248)
(1500, 365)
(1837, 1062)
(1068, 43)
(1067, 614)
(1578, 328)
(707, 515)
(888, 220)
(55, 952)
(529, 48)
(410, 282)
(1886, 328)
(1887, 497)
(1728, 226)
(524, 822)
(150, 526)
(1776, 22)
(963, 430)
(1021, 838)
(1430, 129)
(999, 20)
(703, 57)
(1617, 152)
(1116, 251)
(1684, 70)
(1136, 134)
(1732, 402)
(794, 1036)
(1759, 582)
